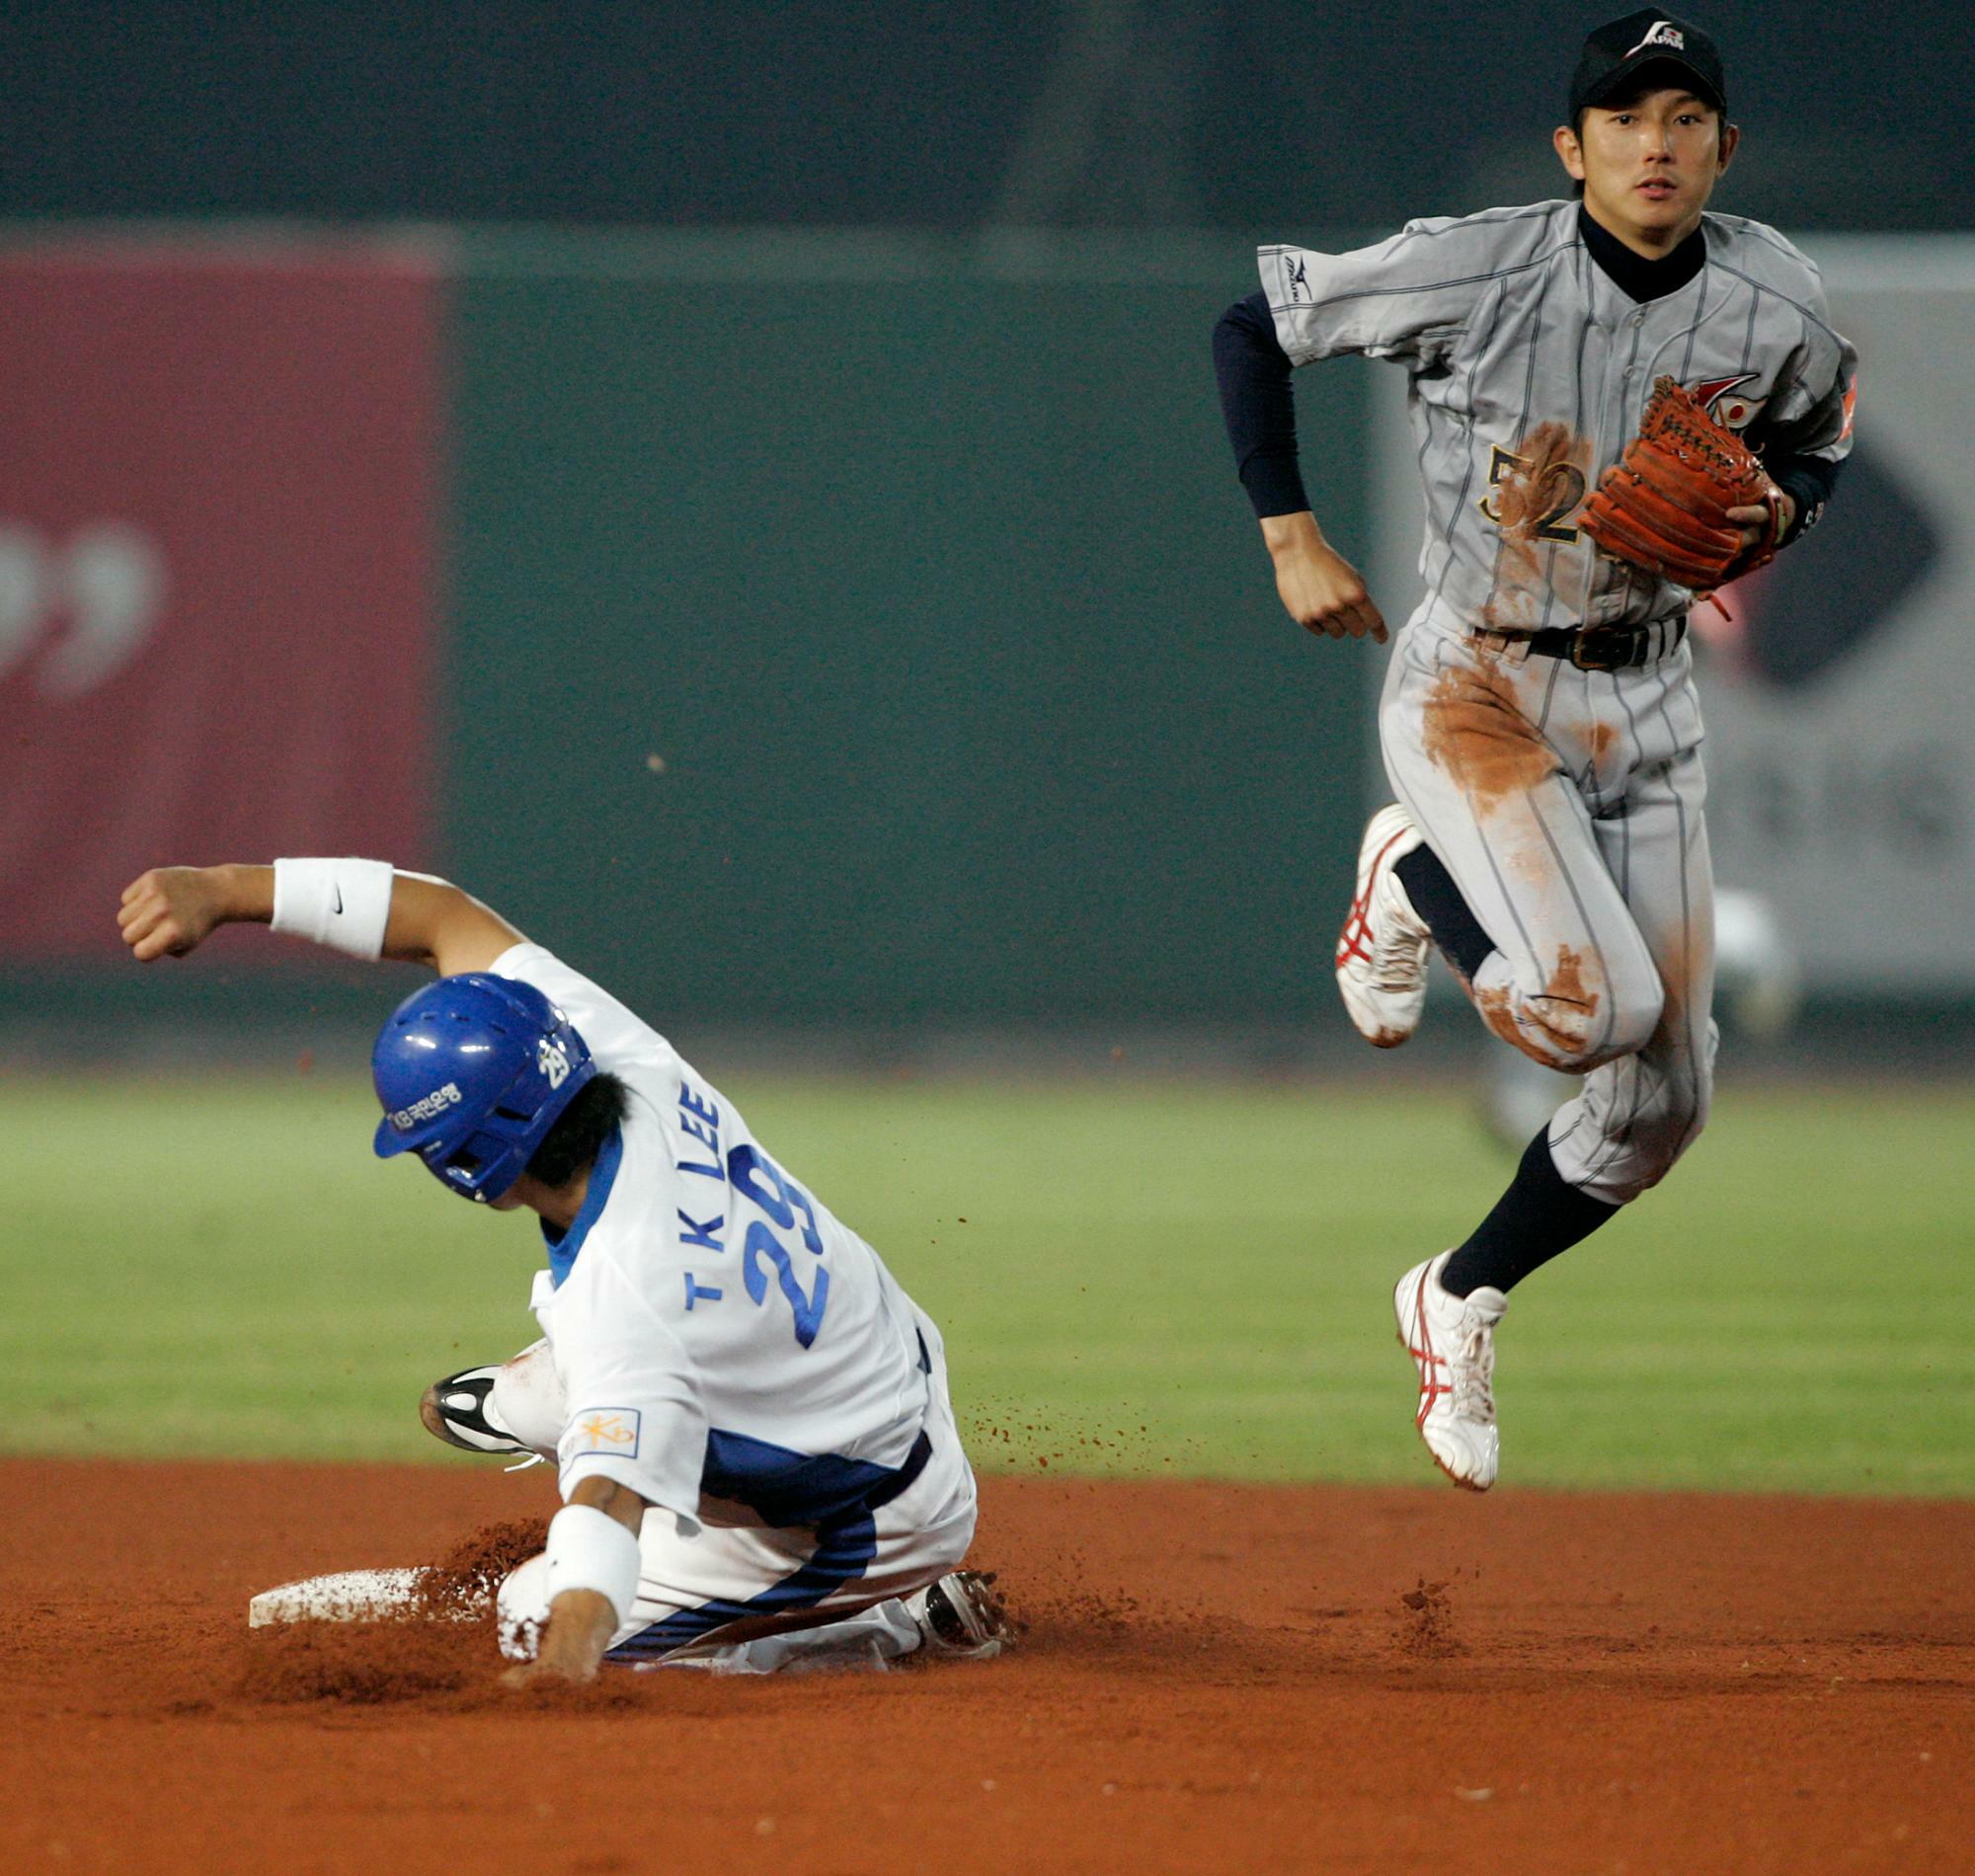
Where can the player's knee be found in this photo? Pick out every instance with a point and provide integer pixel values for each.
(529, 1400)
(1634, 1003)
(947, 1547)
(1599, 1025)
(1671, 1122)
(1666, 1127)
(1638, 1004)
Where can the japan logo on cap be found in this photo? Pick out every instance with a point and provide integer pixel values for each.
(1663, 33)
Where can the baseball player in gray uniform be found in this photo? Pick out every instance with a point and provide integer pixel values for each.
(1539, 721)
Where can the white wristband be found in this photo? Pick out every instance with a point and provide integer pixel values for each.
(342, 904)
(589, 1549)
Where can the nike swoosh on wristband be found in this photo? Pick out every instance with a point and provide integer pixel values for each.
(335, 910)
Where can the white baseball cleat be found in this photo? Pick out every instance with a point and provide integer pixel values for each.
(961, 1617)
(1381, 951)
(1452, 1339)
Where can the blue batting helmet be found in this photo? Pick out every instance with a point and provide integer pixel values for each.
(473, 1072)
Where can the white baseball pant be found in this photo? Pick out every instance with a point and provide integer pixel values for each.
(1567, 804)
(741, 1599)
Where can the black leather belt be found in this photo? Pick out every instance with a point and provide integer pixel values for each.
(1601, 648)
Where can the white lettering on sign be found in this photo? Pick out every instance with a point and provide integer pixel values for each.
(80, 608)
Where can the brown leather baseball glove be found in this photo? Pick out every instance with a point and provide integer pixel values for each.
(1665, 506)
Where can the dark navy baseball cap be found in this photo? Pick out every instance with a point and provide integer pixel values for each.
(1620, 47)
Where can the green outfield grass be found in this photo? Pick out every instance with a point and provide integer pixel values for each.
(1163, 1278)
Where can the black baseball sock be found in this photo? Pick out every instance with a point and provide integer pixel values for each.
(1437, 899)
(1537, 1218)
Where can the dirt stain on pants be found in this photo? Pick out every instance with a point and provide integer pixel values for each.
(1474, 729)
(1554, 1026)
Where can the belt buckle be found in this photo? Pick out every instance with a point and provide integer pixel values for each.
(1510, 648)
(1619, 661)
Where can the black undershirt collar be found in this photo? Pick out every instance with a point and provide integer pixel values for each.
(1638, 277)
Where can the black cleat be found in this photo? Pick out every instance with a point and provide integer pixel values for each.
(460, 1411)
(960, 1616)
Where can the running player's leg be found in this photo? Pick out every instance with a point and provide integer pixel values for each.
(1515, 887)
(1551, 957)
(1634, 1118)
(1639, 1113)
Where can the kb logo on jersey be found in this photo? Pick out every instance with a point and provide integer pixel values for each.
(608, 1430)
(552, 1059)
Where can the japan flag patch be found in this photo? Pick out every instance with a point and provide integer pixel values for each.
(610, 1431)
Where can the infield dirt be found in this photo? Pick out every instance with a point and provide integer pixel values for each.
(1213, 1677)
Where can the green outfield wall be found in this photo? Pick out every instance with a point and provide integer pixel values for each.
(795, 628)
(799, 629)
(846, 631)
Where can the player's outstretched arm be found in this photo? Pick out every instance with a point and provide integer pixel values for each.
(585, 1550)
(1319, 589)
(433, 923)
(361, 906)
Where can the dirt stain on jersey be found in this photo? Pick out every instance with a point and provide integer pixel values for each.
(1472, 728)
(1537, 486)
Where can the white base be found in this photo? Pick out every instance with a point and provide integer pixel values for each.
(345, 1596)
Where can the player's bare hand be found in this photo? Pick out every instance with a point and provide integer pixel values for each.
(1319, 589)
(168, 910)
(530, 1675)
(1754, 521)
(568, 1656)
(581, 1622)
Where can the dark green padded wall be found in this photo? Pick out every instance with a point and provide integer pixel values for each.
(936, 598)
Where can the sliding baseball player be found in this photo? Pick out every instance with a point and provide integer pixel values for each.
(756, 1449)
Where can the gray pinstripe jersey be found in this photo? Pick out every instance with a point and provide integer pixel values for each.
(1529, 371)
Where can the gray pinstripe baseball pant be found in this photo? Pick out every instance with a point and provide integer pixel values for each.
(1568, 806)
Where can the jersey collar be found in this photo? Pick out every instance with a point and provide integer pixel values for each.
(1638, 277)
(564, 1245)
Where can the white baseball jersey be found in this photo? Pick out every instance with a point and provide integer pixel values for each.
(1528, 370)
(728, 1349)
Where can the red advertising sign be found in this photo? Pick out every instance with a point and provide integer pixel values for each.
(218, 486)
